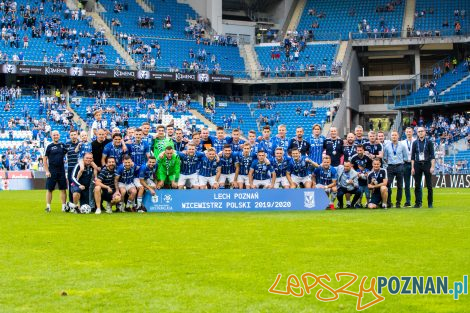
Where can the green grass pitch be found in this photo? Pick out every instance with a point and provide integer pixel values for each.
(222, 262)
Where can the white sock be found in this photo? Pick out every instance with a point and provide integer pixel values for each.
(63, 205)
(348, 202)
(139, 201)
(49, 205)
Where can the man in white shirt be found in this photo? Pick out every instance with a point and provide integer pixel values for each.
(408, 143)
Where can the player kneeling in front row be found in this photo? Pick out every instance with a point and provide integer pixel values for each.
(82, 177)
(348, 185)
(209, 169)
(106, 187)
(377, 183)
(125, 174)
(325, 177)
(261, 173)
(280, 165)
(298, 171)
(145, 181)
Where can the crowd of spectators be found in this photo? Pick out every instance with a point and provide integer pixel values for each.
(117, 114)
(423, 13)
(293, 62)
(39, 23)
(444, 131)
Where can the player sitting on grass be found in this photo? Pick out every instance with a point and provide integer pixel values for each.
(261, 173)
(106, 188)
(125, 174)
(377, 183)
(209, 167)
(325, 177)
(146, 181)
(168, 168)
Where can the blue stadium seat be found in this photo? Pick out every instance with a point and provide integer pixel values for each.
(338, 21)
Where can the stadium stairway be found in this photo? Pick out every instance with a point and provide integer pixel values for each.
(144, 6)
(295, 19)
(251, 61)
(71, 4)
(98, 23)
(77, 118)
(212, 127)
(409, 16)
(457, 84)
(343, 46)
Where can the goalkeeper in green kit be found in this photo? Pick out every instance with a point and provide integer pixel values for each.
(160, 142)
(168, 168)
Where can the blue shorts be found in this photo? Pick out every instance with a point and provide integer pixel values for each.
(84, 194)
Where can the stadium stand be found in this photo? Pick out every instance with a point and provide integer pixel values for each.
(311, 60)
(422, 95)
(129, 13)
(458, 93)
(154, 46)
(250, 116)
(446, 16)
(25, 127)
(336, 19)
(123, 113)
(52, 34)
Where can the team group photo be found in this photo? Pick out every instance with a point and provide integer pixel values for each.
(234, 156)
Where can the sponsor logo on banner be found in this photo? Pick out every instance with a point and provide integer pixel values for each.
(76, 71)
(124, 73)
(25, 69)
(162, 75)
(96, 73)
(203, 77)
(452, 181)
(55, 71)
(143, 74)
(221, 78)
(117, 73)
(9, 69)
(181, 76)
(167, 198)
(20, 174)
(309, 199)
